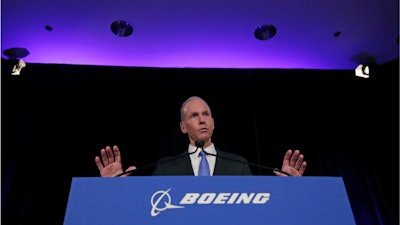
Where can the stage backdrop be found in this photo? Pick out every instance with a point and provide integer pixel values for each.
(56, 118)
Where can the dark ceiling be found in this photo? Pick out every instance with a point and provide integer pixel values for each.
(335, 34)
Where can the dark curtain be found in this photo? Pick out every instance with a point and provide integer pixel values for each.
(56, 118)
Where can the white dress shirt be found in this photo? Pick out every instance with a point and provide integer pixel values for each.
(195, 158)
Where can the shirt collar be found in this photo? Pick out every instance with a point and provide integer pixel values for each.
(210, 149)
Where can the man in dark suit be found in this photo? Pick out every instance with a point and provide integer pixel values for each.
(198, 123)
(225, 164)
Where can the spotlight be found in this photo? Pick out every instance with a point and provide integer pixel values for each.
(14, 55)
(362, 71)
(16, 70)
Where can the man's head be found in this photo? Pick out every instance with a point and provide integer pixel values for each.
(197, 120)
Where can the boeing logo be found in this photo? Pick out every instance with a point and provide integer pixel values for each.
(156, 199)
(161, 200)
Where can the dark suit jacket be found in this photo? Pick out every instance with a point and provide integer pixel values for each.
(226, 164)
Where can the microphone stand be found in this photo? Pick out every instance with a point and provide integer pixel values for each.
(251, 164)
(198, 145)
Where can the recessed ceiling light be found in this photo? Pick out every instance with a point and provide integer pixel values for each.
(337, 34)
(48, 28)
(265, 32)
(16, 53)
(121, 28)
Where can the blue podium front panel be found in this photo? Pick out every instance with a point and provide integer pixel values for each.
(232, 200)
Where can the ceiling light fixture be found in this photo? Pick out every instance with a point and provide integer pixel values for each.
(265, 32)
(16, 53)
(121, 28)
(362, 71)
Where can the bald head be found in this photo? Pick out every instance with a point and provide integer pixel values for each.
(189, 100)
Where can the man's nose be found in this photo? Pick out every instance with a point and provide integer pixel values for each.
(202, 119)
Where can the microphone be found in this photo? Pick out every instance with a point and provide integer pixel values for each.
(199, 144)
(249, 163)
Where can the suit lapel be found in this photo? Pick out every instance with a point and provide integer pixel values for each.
(219, 164)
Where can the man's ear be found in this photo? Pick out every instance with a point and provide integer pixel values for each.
(183, 127)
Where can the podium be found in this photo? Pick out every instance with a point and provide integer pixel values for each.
(168, 200)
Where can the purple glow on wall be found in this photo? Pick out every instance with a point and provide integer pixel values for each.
(205, 34)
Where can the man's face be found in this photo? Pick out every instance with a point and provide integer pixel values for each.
(198, 122)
